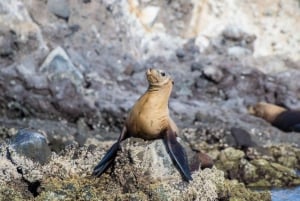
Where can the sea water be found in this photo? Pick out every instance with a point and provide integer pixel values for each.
(289, 194)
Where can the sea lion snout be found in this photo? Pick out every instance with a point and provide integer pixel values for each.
(157, 77)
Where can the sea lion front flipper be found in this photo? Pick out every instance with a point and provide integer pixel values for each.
(177, 154)
(110, 155)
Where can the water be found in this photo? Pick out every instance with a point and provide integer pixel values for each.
(291, 194)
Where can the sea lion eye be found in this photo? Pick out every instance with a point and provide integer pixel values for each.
(163, 74)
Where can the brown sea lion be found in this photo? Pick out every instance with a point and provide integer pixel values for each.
(285, 120)
(149, 119)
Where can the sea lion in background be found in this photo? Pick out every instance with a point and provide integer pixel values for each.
(149, 119)
(285, 120)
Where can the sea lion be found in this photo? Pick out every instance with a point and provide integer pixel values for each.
(285, 120)
(149, 119)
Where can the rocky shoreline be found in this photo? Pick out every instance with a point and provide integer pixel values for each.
(70, 74)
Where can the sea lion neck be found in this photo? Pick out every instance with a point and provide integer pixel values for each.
(167, 84)
(161, 90)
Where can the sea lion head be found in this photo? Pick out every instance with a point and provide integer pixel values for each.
(266, 111)
(158, 77)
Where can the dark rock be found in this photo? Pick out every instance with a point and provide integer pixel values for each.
(197, 66)
(205, 160)
(180, 53)
(242, 139)
(6, 43)
(60, 8)
(32, 145)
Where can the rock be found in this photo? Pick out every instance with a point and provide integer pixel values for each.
(228, 161)
(233, 33)
(148, 15)
(152, 156)
(273, 173)
(20, 33)
(67, 176)
(238, 52)
(32, 145)
(141, 162)
(58, 66)
(233, 190)
(8, 193)
(180, 53)
(61, 8)
(197, 66)
(212, 73)
(286, 155)
(205, 160)
(242, 138)
(259, 171)
(249, 172)
(231, 154)
(6, 43)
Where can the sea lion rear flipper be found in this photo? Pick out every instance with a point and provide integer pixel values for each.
(109, 156)
(107, 160)
(177, 154)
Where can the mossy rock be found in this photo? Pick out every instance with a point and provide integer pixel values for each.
(232, 190)
(8, 193)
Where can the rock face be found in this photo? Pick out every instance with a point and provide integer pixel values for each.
(210, 19)
(67, 176)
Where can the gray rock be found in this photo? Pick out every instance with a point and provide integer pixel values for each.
(60, 8)
(233, 33)
(180, 53)
(197, 66)
(6, 43)
(32, 145)
(153, 157)
(238, 51)
(213, 73)
(147, 163)
(58, 66)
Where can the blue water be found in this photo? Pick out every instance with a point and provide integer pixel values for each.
(291, 194)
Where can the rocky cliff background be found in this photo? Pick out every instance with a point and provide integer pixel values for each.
(72, 69)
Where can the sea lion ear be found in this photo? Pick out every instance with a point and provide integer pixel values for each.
(177, 154)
